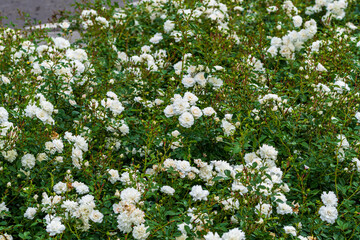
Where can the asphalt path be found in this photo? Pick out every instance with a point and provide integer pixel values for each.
(38, 10)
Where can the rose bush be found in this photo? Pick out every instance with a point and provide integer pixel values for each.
(213, 119)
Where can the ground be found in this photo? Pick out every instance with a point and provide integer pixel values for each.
(41, 10)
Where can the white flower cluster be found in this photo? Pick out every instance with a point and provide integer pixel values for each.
(185, 107)
(60, 188)
(290, 230)
(293, 41)
(227, 126)
(76, 55)
(127, 177)
(148, 103)
(156, 38)
(56, 145)
(289, 8)
(322, 88)
(272, 9)
(119, 15)
(264, 209)
(4, 80)
(182, 229)
(80, 187)
(340, 86)
(178, 35)
(265, 157)
(231, 204)
(8, 136)
(169, 26)
(216, 11)
(90, 18)
(61, 43)
(175, 144)
(130, 217)
(114, 175)
(198, 194)
(61, 72)
(182, 167)
(196, 217)
(297, 21)
(256, 64)
(356, 163)
(67, 64)
(102, 21)
(9, 155)
(116, 126)
(113, 103)
(88, 13)
(342, 146)
(181, 65)
(167, 190)
(275, 102)
(233, 234)
(27, 47)
(82, 208)
(30, 213)
(80, 146)
(268, 153)
(210, 9)
(329, 213)
(334, 9)
(196, 75)
(315, 46)
(284, 208)
(54, 225)
(3, 209)
(4, 115)
(272, 98)
(28, 161)
(43, 112)
(154, 61)
(5, 236)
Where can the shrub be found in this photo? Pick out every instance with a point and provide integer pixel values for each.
(211, 119)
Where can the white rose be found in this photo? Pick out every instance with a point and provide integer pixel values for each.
(28, 160)
(216, 82)
(42, 115)
(96, 216)
(200, 79)
(60, 188)
(124, 129)
(188, 81)
(196, 112)
(186, 120)
(209, 111)
(297, 20)
(30, 213)
(47, 106)
(169, 26)
(4, 115)
(175, 133)
(156, 38)
(168, 190)
(169, 111)
(61, 43)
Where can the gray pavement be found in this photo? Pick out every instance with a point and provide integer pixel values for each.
(42, 10)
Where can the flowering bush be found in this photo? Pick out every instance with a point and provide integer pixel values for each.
(211, 119)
